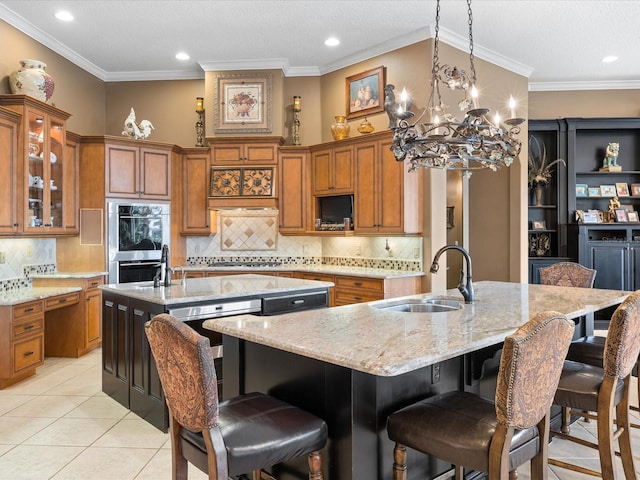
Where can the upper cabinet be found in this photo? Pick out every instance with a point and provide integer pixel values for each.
(47, 173)
(332, 170)
(9, 196)
(239, 151)
(137, 172)
(293, 190)
(195, 173)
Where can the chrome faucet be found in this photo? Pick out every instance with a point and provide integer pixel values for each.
(165, 269)
(466, 289)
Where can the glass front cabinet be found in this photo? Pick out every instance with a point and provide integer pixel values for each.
(49, 168)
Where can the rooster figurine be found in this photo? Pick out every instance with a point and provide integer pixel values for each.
(137, 131)
(394, 110)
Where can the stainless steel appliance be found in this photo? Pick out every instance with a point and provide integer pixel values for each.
(136, 233)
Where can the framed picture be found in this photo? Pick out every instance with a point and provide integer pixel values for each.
(365, 93)
(242, 103)
(627, 207)
(581, 189)
(632, 216)
(621, 215)
(635, 189)
(590, 217)
(594, 192)
(538, 225)
(608, 190)
(622, 189)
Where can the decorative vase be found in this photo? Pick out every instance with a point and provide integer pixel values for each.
(341, 128)
(538, 192)
(365, 126)
(32, 80)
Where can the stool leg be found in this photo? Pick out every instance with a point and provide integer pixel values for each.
(459, 472)
(513, 474)
(400, 462)
(624, 440)
(566, 420)
(315, 466)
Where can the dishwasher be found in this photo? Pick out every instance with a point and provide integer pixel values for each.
(196, 314)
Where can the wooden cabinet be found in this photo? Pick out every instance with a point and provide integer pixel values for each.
(137, 172)
(76, 330)
(357, 290)
(229, 151)
(48, 176)
(321, 277)
(195, 188)
(21, 341)
(115, 348)
(332, 170)
(10, 193)
(293, 190)
(380, 202)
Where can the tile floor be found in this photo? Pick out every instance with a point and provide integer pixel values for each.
(59, 425)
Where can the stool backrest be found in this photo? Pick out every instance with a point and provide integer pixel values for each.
(185, 367)
(568, 274)
(530, 368)
(623, 338)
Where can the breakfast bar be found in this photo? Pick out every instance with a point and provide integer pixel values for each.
(356, 364)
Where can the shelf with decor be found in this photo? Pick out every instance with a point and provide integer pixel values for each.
(547, 200)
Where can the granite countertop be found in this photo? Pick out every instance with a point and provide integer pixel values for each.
(68, 274)
(388, 343)
(23, 295)
(213, 288)
(326, 269)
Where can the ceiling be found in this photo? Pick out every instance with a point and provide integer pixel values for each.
(557, 44)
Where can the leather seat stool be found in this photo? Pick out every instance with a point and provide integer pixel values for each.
(243, 434)
(604, 389)
(470, 431)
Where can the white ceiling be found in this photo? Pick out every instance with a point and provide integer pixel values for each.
(557, 44)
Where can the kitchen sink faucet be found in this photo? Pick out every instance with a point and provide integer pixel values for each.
(466, 289)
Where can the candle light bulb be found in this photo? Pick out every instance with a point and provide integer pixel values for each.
(296, 103)
(199, 104)
(474, 96)
(512, 106)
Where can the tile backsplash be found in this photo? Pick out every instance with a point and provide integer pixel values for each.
(23, 257)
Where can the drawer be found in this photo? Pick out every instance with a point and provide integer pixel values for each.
(28, 353)
(94, 282)
(25, 309)
(60, 301)
(347, 297)
(27, 327)
(294, 303)
(369, 284)
(320, 277)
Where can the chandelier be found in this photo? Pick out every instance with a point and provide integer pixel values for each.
(475, 142)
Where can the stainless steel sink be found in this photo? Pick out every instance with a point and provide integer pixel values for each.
(424, 305)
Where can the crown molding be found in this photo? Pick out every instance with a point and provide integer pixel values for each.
(584, 85)
(152, 76)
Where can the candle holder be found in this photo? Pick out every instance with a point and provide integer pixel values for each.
(200, 122)
(296, 121)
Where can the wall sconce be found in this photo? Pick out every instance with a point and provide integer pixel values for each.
(200, 122)
(296, 121)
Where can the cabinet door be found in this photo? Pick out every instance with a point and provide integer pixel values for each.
(68, 191)
(365, 208)
(195, 215)
(611, 260)
(227, 154)
(121, 175)
(115, 348)
(321, 171)
(292, 192)
(342, 165)
(9, 168)
(390, 192)
(155, 174)
(93, 299)
(634, 261)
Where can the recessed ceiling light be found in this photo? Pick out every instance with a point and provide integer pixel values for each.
(609, 59)
(64, 16)
(332, 42)
(182, 56)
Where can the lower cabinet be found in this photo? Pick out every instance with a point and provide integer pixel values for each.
(129, 373)
(21, 341)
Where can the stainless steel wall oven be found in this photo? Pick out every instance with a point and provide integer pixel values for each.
(136, 233)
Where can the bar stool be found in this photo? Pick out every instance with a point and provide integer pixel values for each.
(243, 434)
(568, 274)
(605, 390)
(470, 431)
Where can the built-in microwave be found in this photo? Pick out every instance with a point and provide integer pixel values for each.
(136, 233)
(334, 212)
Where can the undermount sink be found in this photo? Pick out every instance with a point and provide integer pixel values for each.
(424, 305)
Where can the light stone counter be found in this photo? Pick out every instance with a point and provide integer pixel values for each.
(326, 269)
(213, 288)
(69, 275)
(389, 343)
(23, 295)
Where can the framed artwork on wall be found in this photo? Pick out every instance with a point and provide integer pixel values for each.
(365, 93)
(242, 103)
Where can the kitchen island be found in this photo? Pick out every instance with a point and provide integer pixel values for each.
(354, 365)
(129, 374)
